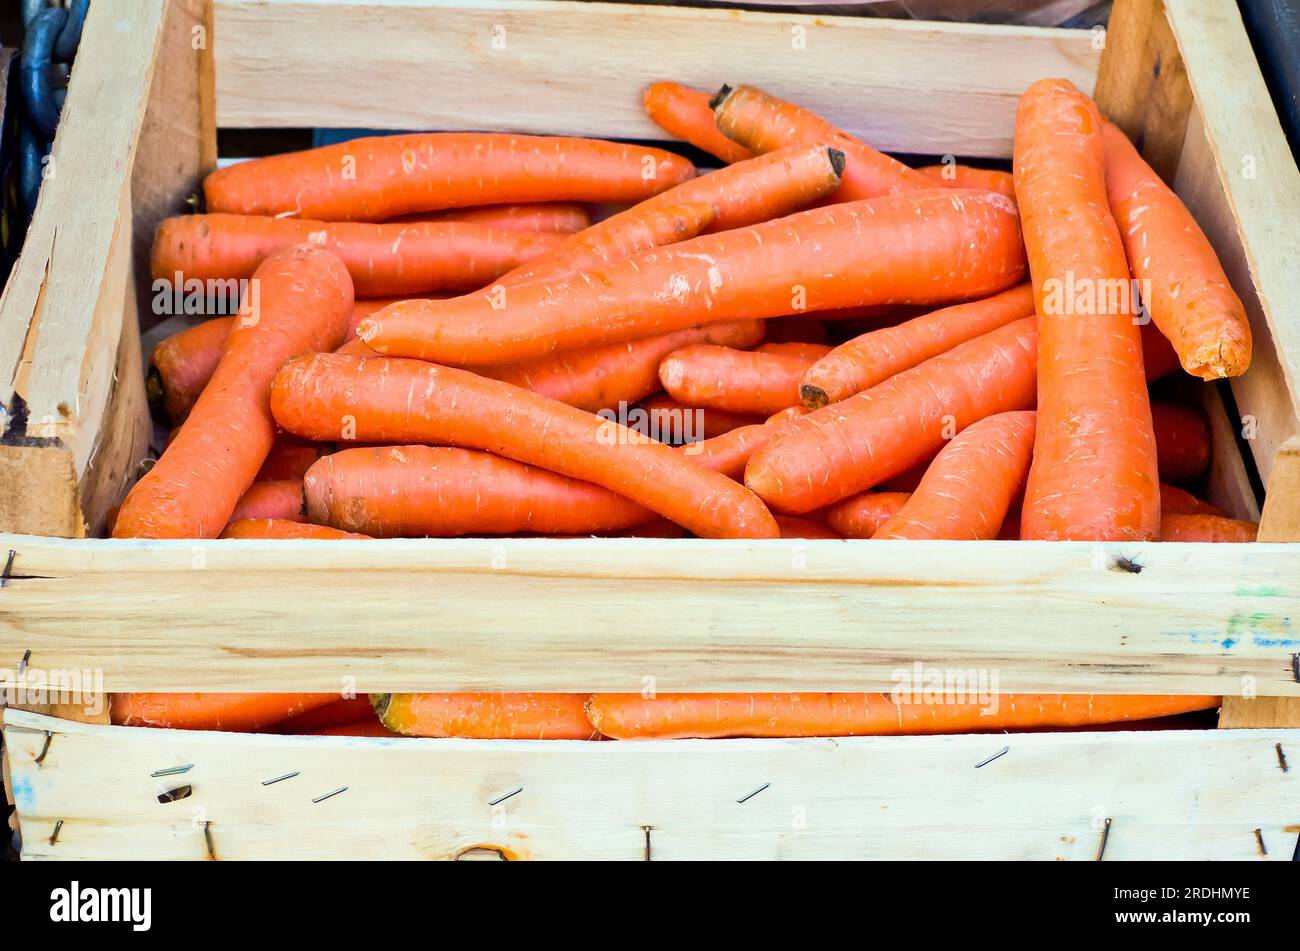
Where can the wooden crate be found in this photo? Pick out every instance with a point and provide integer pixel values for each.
(617, 615)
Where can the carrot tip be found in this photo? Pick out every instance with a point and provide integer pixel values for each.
(719, 96)
(156, 394)
(837, 161)
(814, 397)
(381, 702)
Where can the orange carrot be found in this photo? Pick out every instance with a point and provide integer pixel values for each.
(853, 445)
(181, 365)
(280, 499)
(862, 515)
(565, 217)
(280, 528)
(1158, 356)
(1176, 501)
(333, 397)
(303, 305)
(383, 259)
(739, 381)
(341, 711)
(395, 491)
(672, 421)
(683, 715)
(381, 177)
(964, 176)
(1182, 440)
(875, 356)
(743, 194)
(1205, 528)
(805, 350)
(968, 489)
(486, 716)
(794, 527)
(1183, 284)
(289, 458)
(603, 377)
(727, 453)
(370, 727)
(924, 247)
(1094, 471)
(231, 712)
(685, 114)
(763, 123)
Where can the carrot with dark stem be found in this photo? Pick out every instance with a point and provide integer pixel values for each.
(396, 491)
(686, 114)
(232, 712)
(383, 259)
(381, 177)
(337, 397)
(738, 381)
(856, 444)
(923, 247)
(303, 304)
(1183, 283)
(1094, 473)
(762, 123)
(486, 716)
(969, 488)
(716, 715)
(743, 194)
(875, 356)
(598, 378)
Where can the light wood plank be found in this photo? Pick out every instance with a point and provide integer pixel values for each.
(580, 68)
(1239, 179)
(1169, 795)
(695, 615)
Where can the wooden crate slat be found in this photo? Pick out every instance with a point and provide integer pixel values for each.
(1169, 795)
(876, 78)
(695, 615)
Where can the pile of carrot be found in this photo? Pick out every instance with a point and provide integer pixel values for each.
(443, 337)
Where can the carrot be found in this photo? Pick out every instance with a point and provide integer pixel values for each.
(1205, 528)
(672, 421)
(739, 381)
(280, 528)
(964, 176)
(339, 712)
(486, 716)
(231, 712)
(371, 728)
(804, 350)
(565, 217)
(763, 123)
(373, 179)
(1183, 284)
(383, 259)
(304, 300)
(1182, 441)
(925, 247)
(716, 715)
(1094, 471)
(333, 396)
(603, 377)
(968, 489)
(289, 458)
(794, 527)
(280, 499)
(1176, 501)
(743, 194)
(875, 356)
(862, 515)
(853, 445)
(1158, 356)
(727, 453)
(685, 114)
(181, 365)
(395, 491)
